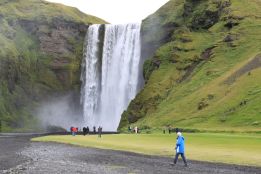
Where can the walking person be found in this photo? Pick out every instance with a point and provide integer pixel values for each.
(180, 149)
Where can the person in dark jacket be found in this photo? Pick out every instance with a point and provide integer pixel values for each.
(94, 130)
(99, 131)
(87, 130)
(84, 131)
(180, 149)
(170, 129)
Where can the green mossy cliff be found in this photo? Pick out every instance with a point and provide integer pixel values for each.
(41, 47)
(203, 67)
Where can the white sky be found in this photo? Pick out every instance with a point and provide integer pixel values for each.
(116, 11)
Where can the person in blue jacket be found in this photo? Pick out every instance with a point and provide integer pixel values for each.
(180, 149)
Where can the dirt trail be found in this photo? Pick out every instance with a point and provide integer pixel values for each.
(251, 65)
(37, 157)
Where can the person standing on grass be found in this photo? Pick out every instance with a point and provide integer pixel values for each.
(170, 129)
(164, 130)
(99, 131)
(87, 130)
(180, 149)
(74, 130)
(129, 129)
(136, 129)
(84, 131)
(94, 130)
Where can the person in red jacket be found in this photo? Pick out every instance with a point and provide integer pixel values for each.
(74, 131)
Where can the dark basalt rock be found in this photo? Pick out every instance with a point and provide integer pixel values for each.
(202, 105)
(208, 17)
(231, 23)
(185, 40)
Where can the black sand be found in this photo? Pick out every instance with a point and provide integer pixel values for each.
(19, 155)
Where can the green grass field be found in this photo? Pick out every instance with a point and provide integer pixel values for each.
(239, 149)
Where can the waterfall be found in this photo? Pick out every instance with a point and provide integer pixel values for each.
(110, 73)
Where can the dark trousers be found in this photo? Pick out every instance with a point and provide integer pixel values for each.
(183, 157)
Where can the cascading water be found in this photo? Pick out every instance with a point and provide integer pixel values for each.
(110, 73)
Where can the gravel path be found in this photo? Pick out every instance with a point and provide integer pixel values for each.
(10, 150)
(41, 158)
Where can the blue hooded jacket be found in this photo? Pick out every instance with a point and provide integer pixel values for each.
(180, 147)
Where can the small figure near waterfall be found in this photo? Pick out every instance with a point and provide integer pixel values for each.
(164, 129)
(180, 149)
(136, 129)
(87, 130)
(84, 131)
(130, 129)
(170, 129)
(74, 131)
(99, 131)
(94, 130)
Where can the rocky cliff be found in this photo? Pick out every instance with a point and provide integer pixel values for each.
(40, 57)
(199, 71)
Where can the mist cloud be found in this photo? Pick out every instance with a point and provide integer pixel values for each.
(61, 112)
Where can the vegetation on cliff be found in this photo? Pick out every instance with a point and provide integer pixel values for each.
(41, 50)
(203, 71)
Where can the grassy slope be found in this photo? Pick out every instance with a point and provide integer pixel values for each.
(166, 101)
(43, 10)
(205, 147)
(25, 72)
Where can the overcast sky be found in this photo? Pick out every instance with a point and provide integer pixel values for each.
(116, 11)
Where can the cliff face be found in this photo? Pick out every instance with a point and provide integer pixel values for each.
(193, 49)
(40, 57)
